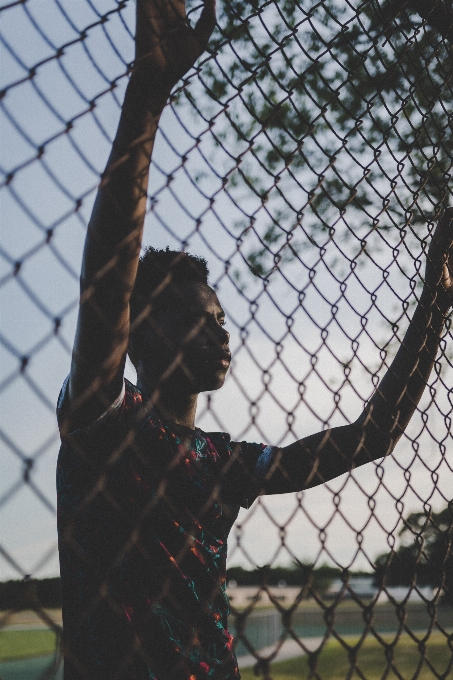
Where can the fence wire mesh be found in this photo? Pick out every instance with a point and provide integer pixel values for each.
(308, 156)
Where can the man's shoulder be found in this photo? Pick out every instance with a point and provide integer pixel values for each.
(221, 437)
(125, 409)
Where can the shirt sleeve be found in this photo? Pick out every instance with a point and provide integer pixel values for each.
(92, 446)
(245, 469)
(259, 469)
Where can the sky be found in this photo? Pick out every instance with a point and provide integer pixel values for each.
(287, 379)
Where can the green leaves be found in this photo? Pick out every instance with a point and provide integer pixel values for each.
(333, 110)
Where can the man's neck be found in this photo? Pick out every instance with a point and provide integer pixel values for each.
(171, 405)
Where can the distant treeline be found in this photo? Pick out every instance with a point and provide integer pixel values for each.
(34, 593)
(30, 594)
(297, 574)
(425, 557)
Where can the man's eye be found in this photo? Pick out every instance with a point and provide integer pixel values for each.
(222, 322)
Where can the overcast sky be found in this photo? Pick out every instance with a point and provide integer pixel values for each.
(274, 372)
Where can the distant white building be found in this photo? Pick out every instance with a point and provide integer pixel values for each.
(364, 588)
(399, 593)
(243, 596)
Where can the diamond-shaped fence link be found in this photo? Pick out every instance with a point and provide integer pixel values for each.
(308, 157)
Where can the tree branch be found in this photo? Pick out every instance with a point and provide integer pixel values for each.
(437, 13)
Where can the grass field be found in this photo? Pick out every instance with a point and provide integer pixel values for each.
(333, 663)
(20, 644)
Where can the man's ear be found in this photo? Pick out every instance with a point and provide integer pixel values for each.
(141, 341)
(136, 345)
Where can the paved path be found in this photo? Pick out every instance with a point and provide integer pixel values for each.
(30, 669)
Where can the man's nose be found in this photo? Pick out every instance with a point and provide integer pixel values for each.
(221, 336)
(226, 337)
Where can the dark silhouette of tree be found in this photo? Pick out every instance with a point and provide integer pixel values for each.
(337, 121)
(30, 593)
(304, 575)
(425, 556)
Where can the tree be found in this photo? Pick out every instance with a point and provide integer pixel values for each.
(297, 574)
(425, 556)
(337, 122)
(30, 593)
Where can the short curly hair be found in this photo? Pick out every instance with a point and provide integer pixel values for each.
(157, 270)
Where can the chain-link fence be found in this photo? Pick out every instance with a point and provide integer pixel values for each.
(308, 157)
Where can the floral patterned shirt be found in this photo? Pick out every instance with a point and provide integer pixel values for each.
(144, 512)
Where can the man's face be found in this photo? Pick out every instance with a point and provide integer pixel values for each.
(186, 339)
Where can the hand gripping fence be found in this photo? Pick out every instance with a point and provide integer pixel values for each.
(308, 157)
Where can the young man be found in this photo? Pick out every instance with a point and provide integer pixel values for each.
(146, 500)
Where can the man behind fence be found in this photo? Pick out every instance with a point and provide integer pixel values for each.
(146, 499)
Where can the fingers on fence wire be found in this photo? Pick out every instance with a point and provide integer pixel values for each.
(206, 23)
(165, 42)
(439, 268)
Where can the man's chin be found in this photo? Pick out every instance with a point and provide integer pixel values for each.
(197, 381)
(211, 384)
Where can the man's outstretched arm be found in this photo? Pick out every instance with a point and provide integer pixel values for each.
(165, 49)
(325, 455)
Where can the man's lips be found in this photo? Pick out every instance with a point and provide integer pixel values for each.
(220, 360)
(220, 363)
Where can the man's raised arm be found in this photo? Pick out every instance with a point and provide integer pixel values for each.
(325, 455)
(165, 49)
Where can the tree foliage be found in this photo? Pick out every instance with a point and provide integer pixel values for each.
(337, 120)
(297, 574)
(30, 594)
(425, 556)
